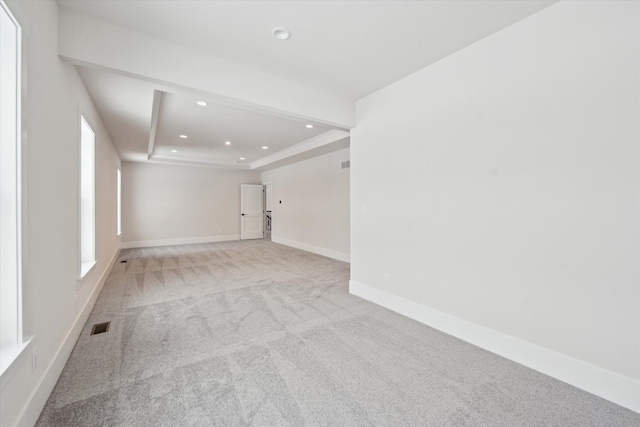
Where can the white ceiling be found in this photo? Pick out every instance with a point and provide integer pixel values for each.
(125, 105)
(208, 128)
(349, 48)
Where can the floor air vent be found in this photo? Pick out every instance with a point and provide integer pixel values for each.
(100, 328)
(123, 261)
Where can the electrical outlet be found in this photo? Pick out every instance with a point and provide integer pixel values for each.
(34, 359)
(220, 231)
(364, 210)
(387, 279)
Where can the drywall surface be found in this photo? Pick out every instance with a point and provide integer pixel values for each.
(168, 202)
(52, 304)
(311, 204)
(501, 184)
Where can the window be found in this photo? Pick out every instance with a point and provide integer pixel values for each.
(11, 342)
(119, 202)
(87, 198)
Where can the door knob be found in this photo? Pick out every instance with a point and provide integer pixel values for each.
(242, 214)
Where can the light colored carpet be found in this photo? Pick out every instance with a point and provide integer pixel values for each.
(256, 333)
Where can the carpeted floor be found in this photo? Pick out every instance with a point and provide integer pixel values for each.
(256, 333)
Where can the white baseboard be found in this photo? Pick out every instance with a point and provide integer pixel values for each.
(340, 256)
(180, 241)
(609, 385)
(31, 410)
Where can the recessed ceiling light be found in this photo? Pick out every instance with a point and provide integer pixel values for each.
(184, 136)
(309, 126)
(241, 158)
(201, 103)
(281, 33)
(264, 147)
(174, 151)
(227, 143)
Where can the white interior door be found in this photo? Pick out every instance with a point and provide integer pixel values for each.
(251, 226)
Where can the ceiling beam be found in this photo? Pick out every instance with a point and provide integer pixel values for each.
(186, 161)
(320, 144)
(301, 147)
(155, 112)
(93, 43)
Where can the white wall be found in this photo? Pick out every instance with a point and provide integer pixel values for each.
(314, 213)
(54, 311)
(502, 185)
(168, 204)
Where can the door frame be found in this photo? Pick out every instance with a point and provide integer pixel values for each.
(244, 235)
(266, 194)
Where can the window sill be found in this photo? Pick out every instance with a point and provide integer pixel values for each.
(85, 268)
(8, 358)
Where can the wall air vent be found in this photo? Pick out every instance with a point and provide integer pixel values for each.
(346, 164)
(100, 328)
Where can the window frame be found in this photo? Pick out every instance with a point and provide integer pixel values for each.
(12, 349)
(87, 258)
(118, 201)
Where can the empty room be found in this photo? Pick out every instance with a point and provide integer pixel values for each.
(319, 213)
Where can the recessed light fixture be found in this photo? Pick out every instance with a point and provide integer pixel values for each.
(241, 158)
(264, 147)
(201, 103)
(281, 33)
(184, 136)
(174, 151)
(309, 126)
(227, 143)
